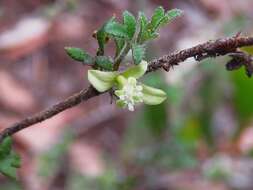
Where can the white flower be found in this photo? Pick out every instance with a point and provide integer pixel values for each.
(128, 90)
(130, 94)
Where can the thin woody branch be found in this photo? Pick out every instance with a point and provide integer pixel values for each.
(70, 102)
(215, 48)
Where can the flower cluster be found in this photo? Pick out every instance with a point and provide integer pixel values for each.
(130, 94)
(127, 89)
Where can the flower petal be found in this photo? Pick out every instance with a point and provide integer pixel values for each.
(153, 96)
(132, 81)
(130, 107)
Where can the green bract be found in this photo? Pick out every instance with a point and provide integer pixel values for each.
(128, 90)
(101, 80)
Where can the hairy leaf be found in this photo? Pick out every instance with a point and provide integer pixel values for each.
(143, 20)
(116, 29)
(104, 63)
(144, 32)
(156, 18)
(174, 13)
(149, 31)
(171, 15)
(102, 37)
(79, 55)
(119, 45)
(129, 23)
(138, 53)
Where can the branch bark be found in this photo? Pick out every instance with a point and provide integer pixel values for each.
(215, 48)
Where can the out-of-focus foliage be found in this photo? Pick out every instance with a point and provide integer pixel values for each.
(50, 161)
(9, 160)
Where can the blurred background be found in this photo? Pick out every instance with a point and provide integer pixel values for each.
(200, 138)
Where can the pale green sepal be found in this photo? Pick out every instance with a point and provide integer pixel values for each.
(101, 80)
(153, 96)
(136, 71)
(121, 103)
(118, 92)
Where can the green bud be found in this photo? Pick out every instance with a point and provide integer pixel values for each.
(121, 81)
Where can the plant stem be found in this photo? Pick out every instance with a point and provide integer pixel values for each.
(121, 56)
(218, 47)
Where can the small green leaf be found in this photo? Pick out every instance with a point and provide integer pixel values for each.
(149, 31)
(153, 96)
(102, 36)
(171, 15)
(138, 53)
(136, 71)
(142, 21)
(104, 63)
(129, 23)
(102, 80)
(120, 42)
(174, 13)
(116, 29)
(9, 160)
(156, 18)
(79, 55)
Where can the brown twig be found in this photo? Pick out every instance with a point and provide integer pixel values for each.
(70, 102)
(209, 49)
